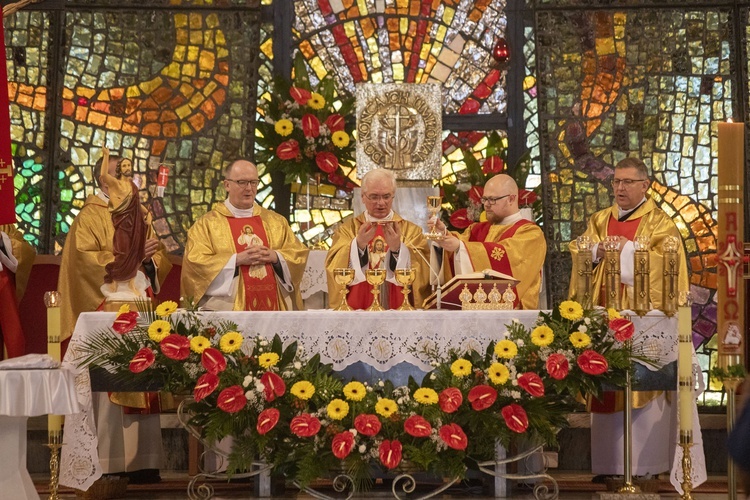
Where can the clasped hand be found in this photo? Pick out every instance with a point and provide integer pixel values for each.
(391, 233)
(150, 247)
(257, 255)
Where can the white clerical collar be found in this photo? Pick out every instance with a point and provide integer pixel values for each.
(239, 212)
(370, 218)
(622, 213)
(104, 197)
(512, 219)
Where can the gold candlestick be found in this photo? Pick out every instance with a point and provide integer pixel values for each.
(405, 277)
(375, 277)
(670, 278)
(612, 272)
(583, 280)
(686, 442)
(343, 276)
(641, 276)
(54, 422)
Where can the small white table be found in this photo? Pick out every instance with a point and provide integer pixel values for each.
(24, 394)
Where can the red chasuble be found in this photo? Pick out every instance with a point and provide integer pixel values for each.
(498, 257)
(259, 281)
(11, 334)
(360, 295)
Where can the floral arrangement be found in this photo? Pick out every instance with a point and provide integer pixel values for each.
(463, 197)
(303, 134)
(293, 412)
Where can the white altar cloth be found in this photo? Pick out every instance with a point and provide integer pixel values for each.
(24, 394)
(380, 340)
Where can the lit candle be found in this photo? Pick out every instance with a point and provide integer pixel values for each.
(52, 301)
(685, 364)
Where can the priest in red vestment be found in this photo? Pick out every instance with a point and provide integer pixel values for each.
(378, 238)
(505, 242)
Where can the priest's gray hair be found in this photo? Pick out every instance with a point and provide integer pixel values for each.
(378, 174)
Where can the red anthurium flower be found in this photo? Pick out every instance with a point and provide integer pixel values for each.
(557, 366)
(300, 95)
(532, 383)
(125, 322)
(515, 418)
(267, 420)
(335, 123)
(526, 197)
(482, 397)
(232, 399)
(367, 425)
(327, 161)
(623, 328)
(273, 386)
(592, 362)
(142, 360)
(310, 125)
(492, 165)
(476, 193)
(417, 426)
(453, 435)
(342, 445)
(213, 360)
(175, 346)
(390, 453)
(206, 384)
(460, 218)
(305, 425)
(288, 150)
(450, 399)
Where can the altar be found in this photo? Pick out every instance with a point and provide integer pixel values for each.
(361, 344)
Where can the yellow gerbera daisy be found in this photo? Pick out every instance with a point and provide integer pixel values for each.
(337, 409)
(426, 396)
(570, 309)
(355, 391)
(461, 368)
(316, 101)
(283, 127)
(230, 342)
(166, 308)
(340, 139)
(159, 329)
(613, 314)
(199, 343)
(303, 390)
(498, 373)
(542, 335)
(268, 359)
(125, 308)
(386, 407)
(506, 349)
(580, 340)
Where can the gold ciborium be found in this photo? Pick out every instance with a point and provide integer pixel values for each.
(375, 277)
(433, 206)
(343, 276)
(405, 277)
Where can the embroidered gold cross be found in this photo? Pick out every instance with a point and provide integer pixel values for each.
(497, 253)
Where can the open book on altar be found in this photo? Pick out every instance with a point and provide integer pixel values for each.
(448, 294)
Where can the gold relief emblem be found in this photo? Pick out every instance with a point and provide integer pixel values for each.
(497, 253)
(6, 172)
(399, 127)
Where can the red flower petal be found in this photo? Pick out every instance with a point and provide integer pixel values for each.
(417, 426)
(310, 125)
(175, 346)
(327, 162)
(273, 386)
(335, 123)
(592, 362)
(450, 399)
(213, 360)
(288, 150)
(305, 425)
(526, 197)
(460, 219)
(342, 445)
(453, 435)
(622, 328)
(492, 165)
(125, 322)
(557, 366)
(142, 360)
(476, 193)
(267, 420)
(300, 95)
(482, 397)
(232, 399)
(206, 384)
(515, 418)
(367, 425)
(532, 383)
(390, 453)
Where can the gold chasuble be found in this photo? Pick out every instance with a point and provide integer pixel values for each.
(412, 240)
(517, 249)
(218, 235)
(88, 249)
(650, 220)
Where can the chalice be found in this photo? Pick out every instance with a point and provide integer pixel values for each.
(433, 207)
(343, 276)
(405, 277)
(375, 277)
